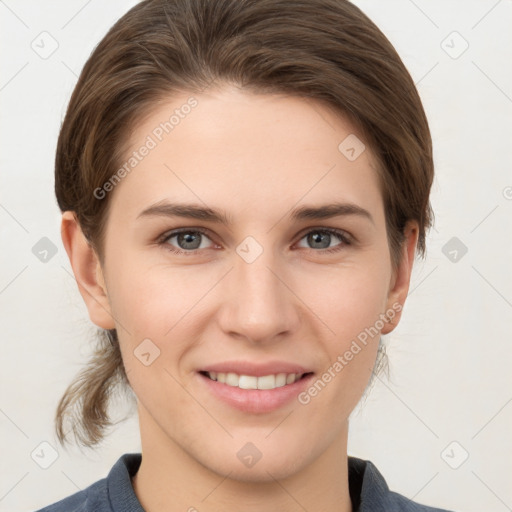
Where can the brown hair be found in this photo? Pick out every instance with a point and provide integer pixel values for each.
(323, 50)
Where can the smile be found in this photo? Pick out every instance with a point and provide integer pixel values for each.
(271, 381)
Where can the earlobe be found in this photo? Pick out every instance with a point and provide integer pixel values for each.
(399, 287)
(87, 270)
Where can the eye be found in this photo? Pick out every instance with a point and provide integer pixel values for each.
(321, 238)
(189, 241)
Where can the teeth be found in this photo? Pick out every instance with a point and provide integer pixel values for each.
(251, 382)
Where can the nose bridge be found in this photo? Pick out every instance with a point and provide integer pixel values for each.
(258, 305)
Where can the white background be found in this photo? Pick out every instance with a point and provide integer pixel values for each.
(451, 355)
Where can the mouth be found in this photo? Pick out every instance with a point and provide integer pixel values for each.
(255, 387)
(262, 382)
(253, 394)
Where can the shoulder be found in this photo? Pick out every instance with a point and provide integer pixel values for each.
(111, 494)
(372, 493)
(93, 498)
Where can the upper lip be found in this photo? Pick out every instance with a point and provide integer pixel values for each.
(255, 369)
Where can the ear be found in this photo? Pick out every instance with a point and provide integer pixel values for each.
(401, 277)
(87, 270)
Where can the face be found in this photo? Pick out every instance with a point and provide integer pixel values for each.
(279, 283)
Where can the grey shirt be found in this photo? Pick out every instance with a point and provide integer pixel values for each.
(368, 491)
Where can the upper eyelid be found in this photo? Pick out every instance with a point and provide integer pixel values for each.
(173, 232)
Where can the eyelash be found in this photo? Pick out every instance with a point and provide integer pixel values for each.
(342, 235)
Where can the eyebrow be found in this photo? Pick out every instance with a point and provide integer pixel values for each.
(196, 211)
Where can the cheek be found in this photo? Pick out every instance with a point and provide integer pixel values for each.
(351, 304)
(348, 299)
(151, 302)
(159, 304)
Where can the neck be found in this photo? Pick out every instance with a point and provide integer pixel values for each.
(169, 479)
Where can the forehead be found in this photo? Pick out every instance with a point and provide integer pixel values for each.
(246, 152)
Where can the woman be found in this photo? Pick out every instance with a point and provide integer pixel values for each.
(244, 188)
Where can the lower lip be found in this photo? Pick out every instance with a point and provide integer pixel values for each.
(256, 400)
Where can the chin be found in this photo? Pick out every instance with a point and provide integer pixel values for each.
(279, 464)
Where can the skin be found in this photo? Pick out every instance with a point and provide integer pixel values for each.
(257, 157)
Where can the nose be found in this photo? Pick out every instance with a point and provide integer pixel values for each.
(258, 302)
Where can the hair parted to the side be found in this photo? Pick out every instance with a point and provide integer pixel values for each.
(321, 50)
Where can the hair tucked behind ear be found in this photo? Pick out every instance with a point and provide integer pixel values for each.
(84, 406)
